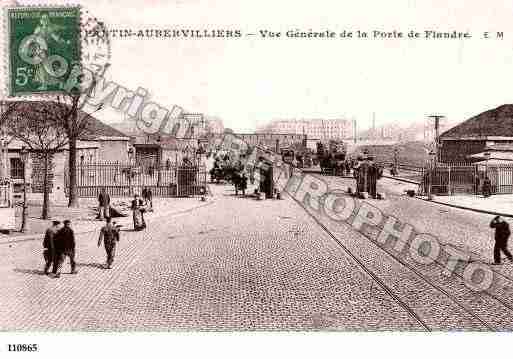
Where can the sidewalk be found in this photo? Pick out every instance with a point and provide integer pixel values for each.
(501, 204)
(85, 223)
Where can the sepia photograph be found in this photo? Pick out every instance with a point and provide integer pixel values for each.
(276, 175)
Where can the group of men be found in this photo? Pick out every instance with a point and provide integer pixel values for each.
(366, 173)
(59, 243)
(240, 181)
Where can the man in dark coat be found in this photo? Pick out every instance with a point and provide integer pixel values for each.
(64, 247)
(49, 245)
(243, 183)
(103, 204)
(362, 177)
(236, 181)
(372, 174)
(110, 236)
(502, 234)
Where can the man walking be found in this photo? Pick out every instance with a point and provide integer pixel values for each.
(64, 247)
(110, 236)
(103, 204)
(49, 245)
(243, 183)
(502, 234)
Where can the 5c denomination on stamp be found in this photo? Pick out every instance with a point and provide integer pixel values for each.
(44, 48)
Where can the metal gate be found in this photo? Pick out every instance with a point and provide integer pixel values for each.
(446, 179)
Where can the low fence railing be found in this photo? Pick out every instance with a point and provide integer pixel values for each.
(122, 180)
(467, 179)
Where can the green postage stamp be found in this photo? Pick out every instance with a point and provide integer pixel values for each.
(44, 48)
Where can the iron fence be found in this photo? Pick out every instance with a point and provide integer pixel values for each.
(447, 179)
(124, 180)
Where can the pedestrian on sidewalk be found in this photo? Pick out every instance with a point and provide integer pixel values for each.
(103, 204)
(138, 213)
(502, 234)
(243, 183)
(49, 245)
(236, 178)
(64, 247)
(110, 236)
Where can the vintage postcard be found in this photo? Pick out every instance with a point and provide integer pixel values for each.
(266, 167)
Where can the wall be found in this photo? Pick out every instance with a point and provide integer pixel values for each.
(269, 139)
(111, 151)
(459, 150)
(34, 177)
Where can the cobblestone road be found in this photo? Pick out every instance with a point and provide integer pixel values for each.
(235, 264)
(462, 229)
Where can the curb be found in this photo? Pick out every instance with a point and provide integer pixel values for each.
(34, 236)
(401, 179)
(467, 208)
(384, 176)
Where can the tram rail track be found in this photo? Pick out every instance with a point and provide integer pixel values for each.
(371, 274)
(453, 298)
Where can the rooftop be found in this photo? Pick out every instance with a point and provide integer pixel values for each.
(496, 122)
(95, 129)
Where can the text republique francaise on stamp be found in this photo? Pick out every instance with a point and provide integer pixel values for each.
(44, 48)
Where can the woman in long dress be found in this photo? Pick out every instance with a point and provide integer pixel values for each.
(137, 213)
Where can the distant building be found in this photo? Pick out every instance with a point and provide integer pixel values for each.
(156, 150)
(188, 125)
(324, 129)
(272, 140)
(488, 130)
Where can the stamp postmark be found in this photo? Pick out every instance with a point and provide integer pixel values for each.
(44, 48)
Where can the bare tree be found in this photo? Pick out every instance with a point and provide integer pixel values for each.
(76, 124)
(38, 126)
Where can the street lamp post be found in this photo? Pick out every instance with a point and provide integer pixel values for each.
(24, 157)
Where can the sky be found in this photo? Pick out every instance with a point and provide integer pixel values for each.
(252, 80)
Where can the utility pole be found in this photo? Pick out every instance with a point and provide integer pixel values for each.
(437, 119)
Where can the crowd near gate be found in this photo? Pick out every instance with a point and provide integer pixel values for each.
(125, 180)
(447, 179)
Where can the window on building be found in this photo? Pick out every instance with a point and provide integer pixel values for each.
(17, 169)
